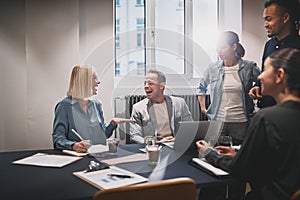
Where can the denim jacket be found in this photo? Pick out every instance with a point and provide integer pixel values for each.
(214, 76)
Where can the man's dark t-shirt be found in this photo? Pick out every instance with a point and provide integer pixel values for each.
(291, 41)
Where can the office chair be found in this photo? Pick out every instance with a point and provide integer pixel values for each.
(296, 195)
(175, 189)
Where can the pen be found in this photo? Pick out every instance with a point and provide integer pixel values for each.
(120, 175)
(77, 134)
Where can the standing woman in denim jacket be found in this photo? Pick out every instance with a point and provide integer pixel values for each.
(230, 80)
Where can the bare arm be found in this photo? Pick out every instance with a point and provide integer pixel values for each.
(201, 100)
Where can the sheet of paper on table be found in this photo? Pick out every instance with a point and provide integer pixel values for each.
(98, 148)
(74, 153)
(216, 171)
(125, 159)
(47, 160)
(102, 180)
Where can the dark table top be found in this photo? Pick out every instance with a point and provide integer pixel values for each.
(34, 182)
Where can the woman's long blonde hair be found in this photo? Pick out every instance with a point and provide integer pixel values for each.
(81, 82)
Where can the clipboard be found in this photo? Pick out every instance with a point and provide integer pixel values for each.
(101, 179)
(210, 169)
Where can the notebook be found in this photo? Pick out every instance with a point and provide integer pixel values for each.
(191, 131)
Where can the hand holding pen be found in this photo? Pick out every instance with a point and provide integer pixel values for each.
(81, 146)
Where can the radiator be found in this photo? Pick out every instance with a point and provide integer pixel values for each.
(123, 108)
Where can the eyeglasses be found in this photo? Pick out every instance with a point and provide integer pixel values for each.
(150, 83)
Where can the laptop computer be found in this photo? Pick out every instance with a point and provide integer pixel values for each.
(191, 131)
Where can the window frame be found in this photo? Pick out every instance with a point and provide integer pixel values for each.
(149, 37)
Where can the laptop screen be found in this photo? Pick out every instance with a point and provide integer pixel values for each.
(191, 131)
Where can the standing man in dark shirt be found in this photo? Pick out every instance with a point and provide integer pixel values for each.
(280, 17)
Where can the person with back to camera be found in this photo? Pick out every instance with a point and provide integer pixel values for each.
(230, 80)
(82, 113)
(280, 17)
(158, 114)
(269, 155)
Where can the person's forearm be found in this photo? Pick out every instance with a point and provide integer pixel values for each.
(218, 160)
(201, 100)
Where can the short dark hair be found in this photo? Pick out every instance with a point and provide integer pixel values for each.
(160, 76)
(290, 6)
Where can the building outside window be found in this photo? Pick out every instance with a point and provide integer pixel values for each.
(177, 37)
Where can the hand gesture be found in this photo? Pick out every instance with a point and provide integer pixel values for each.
(254, 93)
(121, 120)
(226, 151)
(202, 146)
(167, 139)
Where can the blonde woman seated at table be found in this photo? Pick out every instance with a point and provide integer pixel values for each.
(82, 112)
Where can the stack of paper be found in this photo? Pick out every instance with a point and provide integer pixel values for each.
(126, 159)
(102, 179)
(74, 153)
(216, 171)
(98, 148)
(47, 160)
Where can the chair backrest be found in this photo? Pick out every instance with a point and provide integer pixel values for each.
(175, 189)
(296, 195)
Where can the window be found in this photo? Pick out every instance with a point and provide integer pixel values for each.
(169, 37)
(117, 70)
(141, 69)
(180, 5)
(117, 41)
(204, 46)
(139, 40)
(117, 25)
(117, 38)
(180, 35)
(140, 24)
(139, 2)
(129, 42)
(117, 2)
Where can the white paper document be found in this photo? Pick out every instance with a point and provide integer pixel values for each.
(74, 153)
(102, 180)
(98, 148)
(125, 159)
(47, 160)
(206, 165)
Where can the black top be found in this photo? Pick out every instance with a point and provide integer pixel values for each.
(269, 156)
(291, 41)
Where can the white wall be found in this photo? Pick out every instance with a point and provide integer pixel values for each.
(40, 41)
(254, 34)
